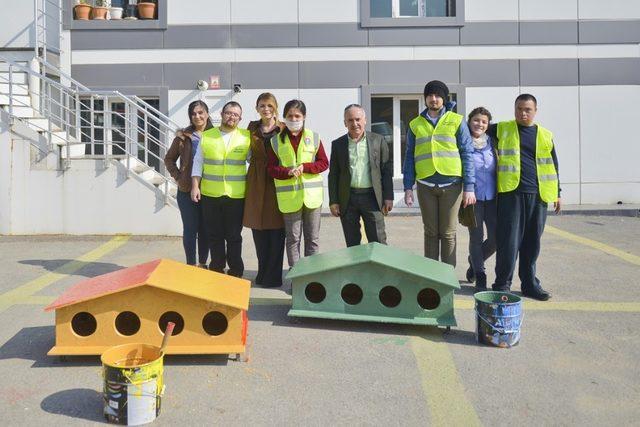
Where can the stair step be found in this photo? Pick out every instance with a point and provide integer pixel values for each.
(152, 177)
(173, 189)
(22, 112)
(4, 67)
(61, 138)
(17, 89)
(16, 77)
(135, 165)
(40, 124)
(77, 151)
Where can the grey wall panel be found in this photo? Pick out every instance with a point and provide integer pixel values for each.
(197, 36)
(259, 35)
(549, 72)
(609, 32)
(185, 76)
(340, 34)
(118, 75)
(490, 73)
(551, 32)
(261, 75)
(489, 33)
(610, 71)
(414, 36)
(105, 39)
(412, 72)
(333, 74)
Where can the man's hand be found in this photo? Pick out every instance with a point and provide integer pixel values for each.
(195, 194)
(335, 209)
(297, 171)
(408, 197)
(557, 205)
(387, 207)
(468, 198)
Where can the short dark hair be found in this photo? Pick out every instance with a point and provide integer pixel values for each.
(526, 97)
(479, 111)
(231, 104)
(350, 106)
(204, 106)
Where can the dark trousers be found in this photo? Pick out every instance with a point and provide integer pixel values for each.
(192, 229)
(521, 219)
(270, 252)
(223, 223)
(480, 249)
(363, 204)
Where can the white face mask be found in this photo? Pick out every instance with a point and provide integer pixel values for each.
(294, 126)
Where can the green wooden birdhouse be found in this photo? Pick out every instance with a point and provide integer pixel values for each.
(374, 283)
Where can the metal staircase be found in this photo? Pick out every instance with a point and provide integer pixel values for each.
(76, 122)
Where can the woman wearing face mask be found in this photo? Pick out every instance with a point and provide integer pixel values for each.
(261, 212)
(484, 160)
(296, 159)
(184, 148)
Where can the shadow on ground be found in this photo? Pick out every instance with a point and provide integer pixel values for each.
(81, 403)
(74, 267)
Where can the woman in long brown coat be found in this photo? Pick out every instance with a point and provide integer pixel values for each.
(261, 212)
(184, 148)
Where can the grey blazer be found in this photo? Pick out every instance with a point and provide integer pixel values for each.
(340, 172)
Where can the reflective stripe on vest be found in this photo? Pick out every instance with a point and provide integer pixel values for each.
(307, 189)
(224, 169)
(509, 161)
(436, 148)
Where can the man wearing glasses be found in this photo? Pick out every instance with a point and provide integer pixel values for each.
(219, 175)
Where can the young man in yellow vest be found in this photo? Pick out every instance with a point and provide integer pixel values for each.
(219, 175)
(527, 182)
(439, 157)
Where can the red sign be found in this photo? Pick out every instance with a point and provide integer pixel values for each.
(214, 82)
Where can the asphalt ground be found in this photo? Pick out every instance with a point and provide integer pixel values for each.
(576, 364)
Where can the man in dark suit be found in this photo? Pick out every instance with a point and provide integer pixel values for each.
(360, 179)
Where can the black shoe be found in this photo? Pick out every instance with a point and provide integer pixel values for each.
(471, 277)
(481, 282)
(539, 294)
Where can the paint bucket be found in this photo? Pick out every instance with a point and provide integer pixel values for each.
(132, 383)
(498, 318)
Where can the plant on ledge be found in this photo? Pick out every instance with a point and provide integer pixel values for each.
(147, 9)
(82, 10)
(101, 8)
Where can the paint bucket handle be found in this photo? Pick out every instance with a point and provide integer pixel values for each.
(501, 331)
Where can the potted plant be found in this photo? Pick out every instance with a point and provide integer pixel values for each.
(147, 9)
(100, 9)
(116, 9)
(82, 10)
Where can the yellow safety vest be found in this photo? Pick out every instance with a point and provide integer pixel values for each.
(224, 169)
(436, 148)
(307, 189)
(509, 161)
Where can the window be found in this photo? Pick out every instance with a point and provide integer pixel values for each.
(411, 13)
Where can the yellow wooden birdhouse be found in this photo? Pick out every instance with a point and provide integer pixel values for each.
(134, 305)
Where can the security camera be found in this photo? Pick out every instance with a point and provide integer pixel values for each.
(237, 88)
(202, 85)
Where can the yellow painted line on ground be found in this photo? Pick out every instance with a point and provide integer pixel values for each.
(444, 391)
(23, 293)
(37, 300)
(633, 259)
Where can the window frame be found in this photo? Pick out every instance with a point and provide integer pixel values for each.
(140, 24)
(366, 21)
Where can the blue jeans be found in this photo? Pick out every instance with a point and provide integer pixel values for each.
(480, 249)
(192, 229)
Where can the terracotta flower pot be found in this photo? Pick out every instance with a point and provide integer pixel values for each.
(100, 13)
(146, 10)
(82, 11)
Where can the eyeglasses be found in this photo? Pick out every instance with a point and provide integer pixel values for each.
(231, 114)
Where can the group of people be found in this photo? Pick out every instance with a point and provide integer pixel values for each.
(507, 171)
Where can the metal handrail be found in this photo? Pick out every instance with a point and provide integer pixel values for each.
(72, 109)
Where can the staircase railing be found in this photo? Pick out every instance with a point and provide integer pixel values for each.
(48, 16)
(134, 133)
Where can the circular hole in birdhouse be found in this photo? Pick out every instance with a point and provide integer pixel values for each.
(171, 316)
(84, 324)
(390, 296)
(315, 292)
(127, 323)
(428, 299)
(351, 294)
(215, 323)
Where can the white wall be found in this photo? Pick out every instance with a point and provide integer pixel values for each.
(204, 12)
(325, 11)
(533, 10)
(609, 9)
(86, 199)
(491, 10)
(16, 24)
